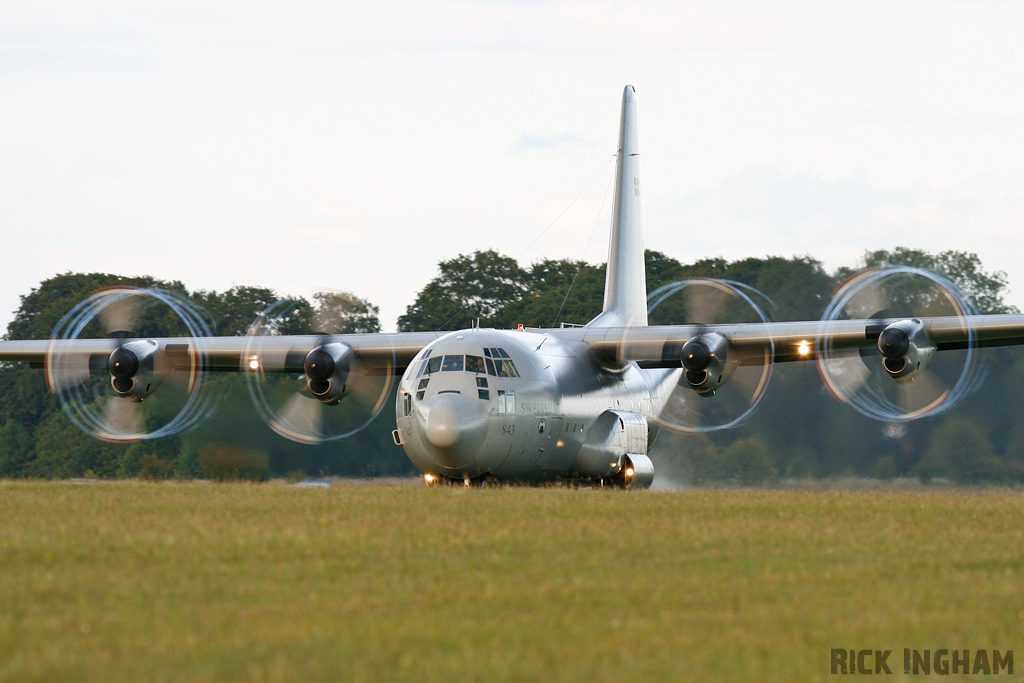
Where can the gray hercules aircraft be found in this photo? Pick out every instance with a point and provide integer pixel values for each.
(476, 405)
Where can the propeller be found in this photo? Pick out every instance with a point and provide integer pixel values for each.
(106, 373)
(897, 379)
(719, 387)
(319, 390)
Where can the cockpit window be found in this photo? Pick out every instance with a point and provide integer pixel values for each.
(452, 363)
(502, 368)
(475, 364)
(506, 368)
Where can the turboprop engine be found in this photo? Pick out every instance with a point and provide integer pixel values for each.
(137, 368)
(706, 364)
(327, 367)
(906, 349)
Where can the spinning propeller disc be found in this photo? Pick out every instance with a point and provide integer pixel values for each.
(703, 304)
(88, 346)
(858, 378)
(280, 387)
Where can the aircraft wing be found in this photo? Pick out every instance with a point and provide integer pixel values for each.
(655, 346)
(661, 346)
(283, 353)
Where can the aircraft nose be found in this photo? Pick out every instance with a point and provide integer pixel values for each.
(455, 425)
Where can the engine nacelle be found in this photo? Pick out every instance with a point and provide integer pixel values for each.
(327, 368)
(136, 369)
(706, 366)
(906, 349)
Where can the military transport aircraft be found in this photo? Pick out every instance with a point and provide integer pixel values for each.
(582, 402)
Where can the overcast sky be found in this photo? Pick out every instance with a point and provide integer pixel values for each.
(352, 146)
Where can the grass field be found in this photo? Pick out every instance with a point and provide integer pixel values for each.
(193, 582)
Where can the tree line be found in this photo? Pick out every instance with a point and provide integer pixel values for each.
(799, 431)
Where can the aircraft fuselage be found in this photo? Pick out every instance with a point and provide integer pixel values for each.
(521, 405)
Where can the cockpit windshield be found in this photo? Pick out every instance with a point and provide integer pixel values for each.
(497, 364)
(452, 364)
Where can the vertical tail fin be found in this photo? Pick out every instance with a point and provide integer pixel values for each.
(625, 287)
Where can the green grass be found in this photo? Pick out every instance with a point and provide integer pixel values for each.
(192, 582)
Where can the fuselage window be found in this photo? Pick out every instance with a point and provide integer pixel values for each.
(490, 367)
(506, 402)
(408, 405)
(452, 364)
(434, 365)
(475, 364)
(481, 382)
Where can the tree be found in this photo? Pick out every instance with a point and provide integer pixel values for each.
(961, 268)
(563, 290)
(343, 313)
(232, 312)
(63, 450)
(960, 449)
(45, 306)
(16, 448)
(479, 286)
(747, 462)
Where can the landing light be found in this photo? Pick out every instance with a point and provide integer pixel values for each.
(804, 348)
(429, 478)
(629, 472)
(254, 364)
